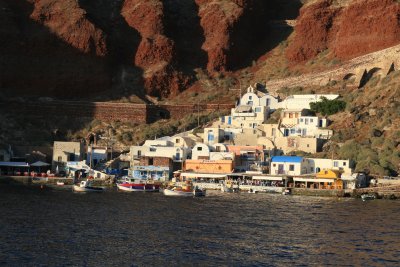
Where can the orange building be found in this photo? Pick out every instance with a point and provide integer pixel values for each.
(208, 166)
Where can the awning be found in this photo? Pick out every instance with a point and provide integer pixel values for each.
(14, 164)
(40, 164)
(202, 175)
(313, 180)
(268, 178)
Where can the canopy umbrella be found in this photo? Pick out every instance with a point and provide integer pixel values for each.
(39, 164)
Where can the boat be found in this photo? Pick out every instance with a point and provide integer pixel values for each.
(228, 188)
(60, 183)
(136, 184)
(86, 186)
(185, 191)
(286, 192)
(40, 179)
(366, 197)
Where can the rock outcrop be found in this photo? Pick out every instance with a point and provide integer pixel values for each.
(347, 28)
(156, 52)
(51, 48)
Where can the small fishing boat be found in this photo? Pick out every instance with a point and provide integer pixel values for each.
(60, 183)
(86, 186)
(228, 188)
(286, 192)
(40, 179)
(138, 185)
(366, 197)
(185, 191)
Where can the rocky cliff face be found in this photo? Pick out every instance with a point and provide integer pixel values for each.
(70, 48)
(347, 28)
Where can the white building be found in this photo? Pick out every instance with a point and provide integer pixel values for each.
(308, 126)
(160, 148)
(66, 151)
(303, 101)
(317, 165)
(96, 154)
(288, 165)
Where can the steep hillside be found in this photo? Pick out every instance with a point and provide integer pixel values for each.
(347, 28)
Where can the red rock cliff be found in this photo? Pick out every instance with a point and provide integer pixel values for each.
(348, 31)
(156, 52)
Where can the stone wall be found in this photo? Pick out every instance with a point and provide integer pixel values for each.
(106, 111)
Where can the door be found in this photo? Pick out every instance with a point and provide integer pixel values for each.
(280, 169)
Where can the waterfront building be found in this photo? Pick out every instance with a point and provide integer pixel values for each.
(64, 152)
(160, 148)
(157, 168)
(288, 165)
(208, 166)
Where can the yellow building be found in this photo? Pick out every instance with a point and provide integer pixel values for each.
(209, 166)
(325, 179)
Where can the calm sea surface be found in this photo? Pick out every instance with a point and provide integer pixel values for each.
(61, 228)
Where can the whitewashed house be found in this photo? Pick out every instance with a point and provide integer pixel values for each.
(288, 165)
(317, 165)
(299, 102)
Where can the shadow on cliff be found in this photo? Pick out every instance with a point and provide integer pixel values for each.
(37, 63)
(259, 30)
(122, 43)
(182, 24)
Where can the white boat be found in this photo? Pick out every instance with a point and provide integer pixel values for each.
(366, 197)
(85, 186)
(286, 192)
(60, 183)
(185, 191)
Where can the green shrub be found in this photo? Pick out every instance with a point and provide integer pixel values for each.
(328, 107)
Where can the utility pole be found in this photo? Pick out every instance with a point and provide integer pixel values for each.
(198, 113)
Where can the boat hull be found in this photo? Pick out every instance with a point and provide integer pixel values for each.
(178, 193)
(138, 187)
(78, 188)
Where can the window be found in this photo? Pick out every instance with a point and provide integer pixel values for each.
(344, 163)
(217, 148)
(290, 115)
(273, 132)
(177, 140)
(274, 165)
(250, 103)
(312, 169)
(199, 148)
(292, 131)
(1, 157)
(257, 110)
(250, 97)
(59, 159)
(151, 161)
(291, 167)
(311, 120)
(139, 153)
(308, 145)
(268, 101)
(153, 149)
(335, 164)
(301, 120)
(306, 121)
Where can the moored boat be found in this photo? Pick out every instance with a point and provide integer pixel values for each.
(138, 185)
(185, 191)
(60, 183)
(366, 197)
(86, 186)
(286, 192)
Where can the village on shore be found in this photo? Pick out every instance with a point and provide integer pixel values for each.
(244, 151)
